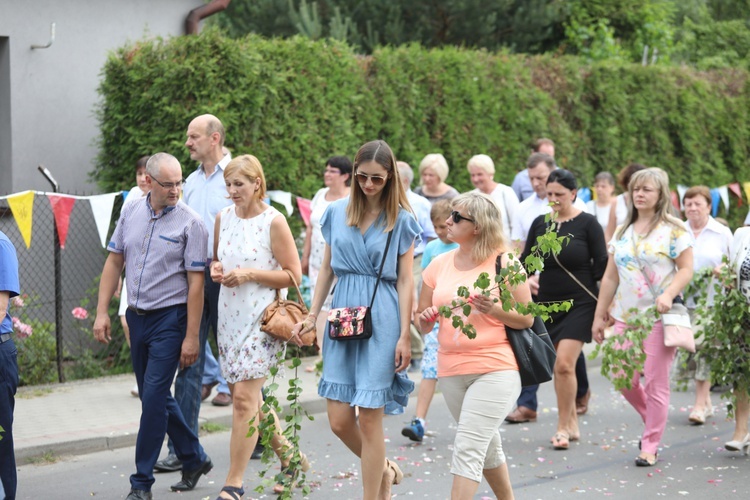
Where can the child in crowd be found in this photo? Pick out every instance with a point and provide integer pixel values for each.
(136, 193)
(439, 213)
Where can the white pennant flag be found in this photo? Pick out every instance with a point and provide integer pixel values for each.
(724, 194)
(282, 198)
(681, 190)
(101, 206)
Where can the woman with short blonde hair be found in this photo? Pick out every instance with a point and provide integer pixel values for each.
(433, 170)
(482, 170)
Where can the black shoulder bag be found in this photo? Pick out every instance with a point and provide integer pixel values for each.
(532, 347)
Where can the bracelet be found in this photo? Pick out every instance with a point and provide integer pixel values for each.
(312, 315)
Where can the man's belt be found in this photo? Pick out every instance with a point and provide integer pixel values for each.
(143, 312)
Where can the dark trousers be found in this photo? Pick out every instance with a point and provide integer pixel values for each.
(8, 386)
(155, 346)
(187, 386)
(528, 399)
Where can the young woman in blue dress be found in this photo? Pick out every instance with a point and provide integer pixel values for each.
(368, 374)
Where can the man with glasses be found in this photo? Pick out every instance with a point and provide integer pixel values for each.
(206, 193)
(163, 243)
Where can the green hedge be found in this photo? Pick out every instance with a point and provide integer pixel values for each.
(295, 102)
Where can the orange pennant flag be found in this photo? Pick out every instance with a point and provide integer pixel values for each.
(61, 207)
(22, 206)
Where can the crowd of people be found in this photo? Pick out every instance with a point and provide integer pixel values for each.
(208, 254)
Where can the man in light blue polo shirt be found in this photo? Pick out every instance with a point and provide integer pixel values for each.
(163, 242)
(205, 192)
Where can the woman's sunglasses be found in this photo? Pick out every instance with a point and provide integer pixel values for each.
(377, 180)
(457, 218)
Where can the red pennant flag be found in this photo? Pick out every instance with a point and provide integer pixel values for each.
(735, 188)
(675, 200)
(304, 209)
(61, 207)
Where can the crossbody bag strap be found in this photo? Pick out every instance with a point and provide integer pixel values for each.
(382, 263)
(572, 276)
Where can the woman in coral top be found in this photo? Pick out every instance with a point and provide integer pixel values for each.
(479, 377)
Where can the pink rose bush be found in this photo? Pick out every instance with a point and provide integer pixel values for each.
(21, 329)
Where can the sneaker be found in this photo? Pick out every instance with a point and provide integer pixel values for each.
(134, 391)
(414, 431)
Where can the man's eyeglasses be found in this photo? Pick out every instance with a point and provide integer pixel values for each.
(457, 218)
(332, 171)
(169, 185)
(377, 180)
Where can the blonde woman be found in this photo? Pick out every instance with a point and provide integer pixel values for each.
(433, 170)
(482, 171)
(368, 374)
(479, 377)
(652, 245)
(253, 245)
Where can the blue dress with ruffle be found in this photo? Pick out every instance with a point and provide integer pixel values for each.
(362, 372)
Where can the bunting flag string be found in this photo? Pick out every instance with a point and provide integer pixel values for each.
(22, 206)
(62, 206)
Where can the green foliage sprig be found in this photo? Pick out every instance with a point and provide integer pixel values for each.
(623, 355)
(726, 341)
(295, 477)
(508, 279)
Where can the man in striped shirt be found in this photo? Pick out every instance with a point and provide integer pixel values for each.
(163, 242)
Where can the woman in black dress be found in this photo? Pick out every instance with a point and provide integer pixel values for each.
(570, 275)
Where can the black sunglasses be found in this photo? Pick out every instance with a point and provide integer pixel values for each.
(457, 218)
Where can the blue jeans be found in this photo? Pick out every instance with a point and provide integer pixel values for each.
(212, 371)
(187, 386)
(8, 386)
(155, 346)
(527, 399)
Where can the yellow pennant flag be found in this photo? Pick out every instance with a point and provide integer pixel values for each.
(22, 206)
(746, 188)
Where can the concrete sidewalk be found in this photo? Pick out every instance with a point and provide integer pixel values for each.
(99, 414)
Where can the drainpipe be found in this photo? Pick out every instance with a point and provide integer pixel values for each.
(202, 12)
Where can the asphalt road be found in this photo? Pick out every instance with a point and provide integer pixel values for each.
(692, 462)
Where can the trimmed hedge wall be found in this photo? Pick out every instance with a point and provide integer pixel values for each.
(295, 102)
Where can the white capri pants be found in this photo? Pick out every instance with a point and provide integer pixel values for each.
(479, 403)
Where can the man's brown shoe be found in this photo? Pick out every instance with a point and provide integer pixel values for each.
(582, 403)
(222, 399)
(206, 390)
(521, 415)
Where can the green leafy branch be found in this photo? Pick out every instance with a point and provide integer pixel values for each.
(726, 343)
(623, 355)
(509, 277)
(295, 476)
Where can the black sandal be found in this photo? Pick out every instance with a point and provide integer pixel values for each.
(233, 491)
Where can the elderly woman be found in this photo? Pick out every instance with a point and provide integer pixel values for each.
(651, 250)
(740, 262)
(433, 171)
(482, 171)
(604, 187)
(479, 377)
(712, 242)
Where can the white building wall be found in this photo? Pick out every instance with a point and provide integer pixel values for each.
(50, 117)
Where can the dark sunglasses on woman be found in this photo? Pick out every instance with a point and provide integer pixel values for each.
(457, 217)
(377, 180)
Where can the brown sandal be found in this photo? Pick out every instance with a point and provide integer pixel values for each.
(398, 475)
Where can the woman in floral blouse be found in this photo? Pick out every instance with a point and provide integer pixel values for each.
(651, 245)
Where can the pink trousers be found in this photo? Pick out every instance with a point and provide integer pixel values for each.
(650, 397)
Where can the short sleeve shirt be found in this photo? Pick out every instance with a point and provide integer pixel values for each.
(8, 278)
(158, 251)
(457, 354)
(658, 251)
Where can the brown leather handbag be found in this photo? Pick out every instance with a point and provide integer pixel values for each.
(281, 315)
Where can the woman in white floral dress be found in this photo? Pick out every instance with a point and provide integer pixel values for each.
(253, 245)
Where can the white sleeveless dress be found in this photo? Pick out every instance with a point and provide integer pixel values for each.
(246, 352)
